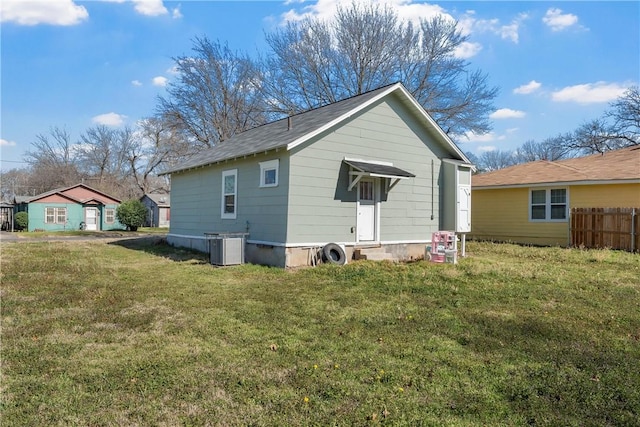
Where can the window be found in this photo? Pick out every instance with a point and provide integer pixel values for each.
(269, 173)
(109, 215)
(55, 215)
(229, 194)
(548, 204)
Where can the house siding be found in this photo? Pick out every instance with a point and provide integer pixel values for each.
(321, 208)
(605, 196)
(503, 215)
(196, 203)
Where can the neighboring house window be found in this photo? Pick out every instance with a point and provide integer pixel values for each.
(109, 215)
(229, 193)
(548, 204)
(55, 215)
(269, 173)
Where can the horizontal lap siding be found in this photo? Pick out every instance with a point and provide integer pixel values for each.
(196, 201)
(605, 196)
(503, 215)
(321, 208)
(75, 215)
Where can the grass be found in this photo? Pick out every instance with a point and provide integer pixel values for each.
(86, 233)
(97, 333)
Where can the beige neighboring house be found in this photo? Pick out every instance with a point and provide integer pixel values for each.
(158, 209)
(530, 203)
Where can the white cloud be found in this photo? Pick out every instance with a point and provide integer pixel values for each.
(173, 70)
(513, 130)
(486, 148)
(175, 13)
(507, 113)
(34, 12)
(557, 21)
(467, 50)
(406, 9)
(150, 7)
(109, 119)
(5, 143)
(528, 88)
(468, 24)
(486, 137)
(136, 82)
(160, 81)
(589, 93)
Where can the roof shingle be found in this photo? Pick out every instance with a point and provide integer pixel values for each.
(615, 165)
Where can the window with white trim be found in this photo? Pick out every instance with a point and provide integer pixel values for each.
(229, 194)
(548, 204)
(269, 173)
(55, 215)
(109, 215)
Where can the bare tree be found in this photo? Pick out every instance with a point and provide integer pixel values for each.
(216, 94)
(103, 154)
(313, 63)
(624, 114)
(157, 145)
(548, 149)
(14, 182)
(496, 159)
(53, 160)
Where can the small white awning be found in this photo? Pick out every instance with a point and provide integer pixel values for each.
(363, 168)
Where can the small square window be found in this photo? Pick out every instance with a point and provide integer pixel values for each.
(269, 173)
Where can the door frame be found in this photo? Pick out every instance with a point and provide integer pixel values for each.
(376, 210)
(98, 224)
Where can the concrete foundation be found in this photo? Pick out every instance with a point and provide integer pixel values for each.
(285, 257)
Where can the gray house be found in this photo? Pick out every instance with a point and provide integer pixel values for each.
(370, 172)
(158, 209)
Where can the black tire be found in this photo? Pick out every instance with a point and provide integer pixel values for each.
(333, 254)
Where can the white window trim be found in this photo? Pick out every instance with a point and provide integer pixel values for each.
(267, 166)
(547, 204)
(223, 214)
(106, 215)
(56, 213)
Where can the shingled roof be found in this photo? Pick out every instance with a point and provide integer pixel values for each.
(292, 131)
(616, 165)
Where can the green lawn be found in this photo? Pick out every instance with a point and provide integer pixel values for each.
(97, 333)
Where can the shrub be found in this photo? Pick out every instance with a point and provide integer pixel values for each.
(22, 220)
(132, 213)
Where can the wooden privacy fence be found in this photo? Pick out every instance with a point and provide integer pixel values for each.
(615, 228)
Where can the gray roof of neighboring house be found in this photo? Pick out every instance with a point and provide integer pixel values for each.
(160, 199)
(291, 131)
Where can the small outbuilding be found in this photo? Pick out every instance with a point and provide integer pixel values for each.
(158, 209)
(370, 172)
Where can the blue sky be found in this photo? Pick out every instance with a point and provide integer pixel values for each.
(75, 64)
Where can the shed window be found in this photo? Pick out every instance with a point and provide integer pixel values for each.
(269, 173)
(55, 215)
(548, 204)
(229, 193)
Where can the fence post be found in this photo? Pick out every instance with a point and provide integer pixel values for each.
(633, 229)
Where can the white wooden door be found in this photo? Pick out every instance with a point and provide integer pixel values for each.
(91, 219)
(366, 222)
(464, 209)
